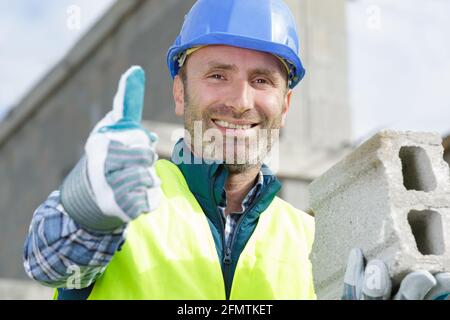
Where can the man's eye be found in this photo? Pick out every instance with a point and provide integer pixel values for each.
(216, 76)
(261, 81)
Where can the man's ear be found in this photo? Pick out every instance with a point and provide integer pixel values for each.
(286, 105)
(178, 95)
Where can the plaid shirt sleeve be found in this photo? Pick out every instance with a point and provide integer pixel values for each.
(61, 254)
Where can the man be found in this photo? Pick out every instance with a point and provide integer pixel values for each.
(208, 223)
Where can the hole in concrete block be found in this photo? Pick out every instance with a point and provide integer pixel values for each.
(416, 169)
(427, 229)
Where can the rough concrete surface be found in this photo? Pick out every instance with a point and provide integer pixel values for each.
(12, 289)
(391, 198)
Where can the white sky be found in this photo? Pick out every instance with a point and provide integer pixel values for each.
(399, 55)
(34, 36)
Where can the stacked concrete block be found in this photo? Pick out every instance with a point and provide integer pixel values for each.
(391, 198)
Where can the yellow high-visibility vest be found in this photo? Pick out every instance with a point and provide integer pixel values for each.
(170, 253)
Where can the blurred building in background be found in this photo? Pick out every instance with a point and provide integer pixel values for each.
(43, 137)
(446, 144)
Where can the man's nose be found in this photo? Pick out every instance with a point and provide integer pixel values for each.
(240, 97)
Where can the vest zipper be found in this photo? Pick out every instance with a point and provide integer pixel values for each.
(233, 239)
(226, 261)
(227, 256)
(228, 249)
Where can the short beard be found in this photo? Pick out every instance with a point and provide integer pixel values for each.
(240, 168)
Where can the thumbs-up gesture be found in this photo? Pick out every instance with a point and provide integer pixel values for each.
(115, 182)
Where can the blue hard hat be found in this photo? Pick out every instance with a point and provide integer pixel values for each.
(263, 25)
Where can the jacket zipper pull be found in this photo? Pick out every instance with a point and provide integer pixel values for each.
(227, 258)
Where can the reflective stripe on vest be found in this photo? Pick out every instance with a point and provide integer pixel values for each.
(170, 253)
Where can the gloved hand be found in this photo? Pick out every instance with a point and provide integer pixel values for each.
(115, 181)
(372, 282)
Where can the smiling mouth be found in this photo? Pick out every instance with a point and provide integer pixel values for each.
(234, 126)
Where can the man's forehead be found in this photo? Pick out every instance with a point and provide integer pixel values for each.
(228, 57)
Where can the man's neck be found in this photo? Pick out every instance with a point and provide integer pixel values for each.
(237, 186)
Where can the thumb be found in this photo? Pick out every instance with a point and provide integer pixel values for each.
(354, 275)
(129, 99)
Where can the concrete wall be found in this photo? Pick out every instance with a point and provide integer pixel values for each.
(318, 127)
(23, 290)
(446, 144)
(319, 118)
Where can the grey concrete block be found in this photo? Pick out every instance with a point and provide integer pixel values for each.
(391, 198)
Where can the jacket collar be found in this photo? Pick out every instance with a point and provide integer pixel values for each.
(199, 174)
(206, 182)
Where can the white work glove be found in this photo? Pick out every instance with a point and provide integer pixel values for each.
(115, 181)
(372, 282)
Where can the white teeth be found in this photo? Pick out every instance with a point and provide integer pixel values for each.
(232, 126)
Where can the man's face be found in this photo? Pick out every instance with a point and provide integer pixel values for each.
(229, 96)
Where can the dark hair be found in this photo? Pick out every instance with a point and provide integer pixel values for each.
(183, 74)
